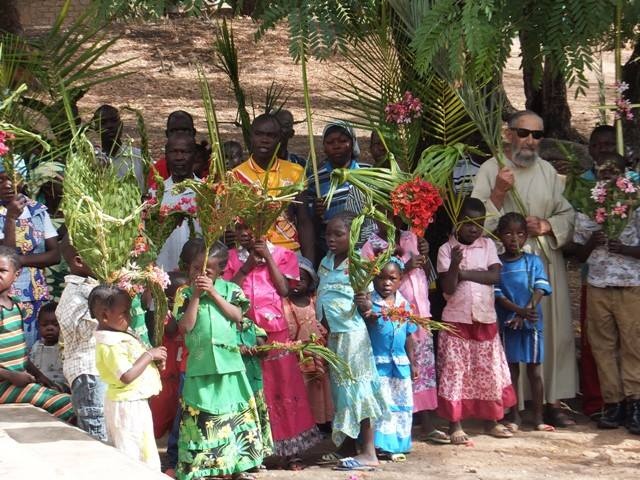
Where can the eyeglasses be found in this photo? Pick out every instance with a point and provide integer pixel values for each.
(525, 132)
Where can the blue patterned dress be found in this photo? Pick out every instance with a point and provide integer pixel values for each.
(358, 398)
(388, 340)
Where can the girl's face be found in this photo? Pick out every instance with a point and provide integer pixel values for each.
(388, 281)
(337, 236)
(513, 237)
(302, 287)
(118, 316)
(212, 270)
(470, 228)
(8, 274)
(338, 148)
(244, 236)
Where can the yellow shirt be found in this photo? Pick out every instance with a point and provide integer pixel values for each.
(283, 233)
(116, 352)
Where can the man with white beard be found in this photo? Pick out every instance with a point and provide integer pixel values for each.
(550, 220)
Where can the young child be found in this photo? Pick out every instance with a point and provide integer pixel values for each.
(46, 354)
(474, 380)
(523, 283)
(300, 312)
(77, 327)
(613, 301)
(357, 401)
(393, 347)
(17, 377)
(219, 430)
(264, 272)
(414, 252)
(129, 371)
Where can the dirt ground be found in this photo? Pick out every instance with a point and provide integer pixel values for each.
(165, 54)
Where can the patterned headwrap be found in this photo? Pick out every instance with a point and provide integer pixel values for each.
(397, 261)
(305, 264)
(345, 128)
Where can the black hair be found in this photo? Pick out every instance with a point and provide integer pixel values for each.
(471, 204)
(11, 255)
(190, 249)
(509, 218)
(346, 218)
(613, 157)
(218, 250)
(179, 113)
(600, 129)
(104, 109)
(231, 144)
(105, 296)
(264, 118)
(49, 307)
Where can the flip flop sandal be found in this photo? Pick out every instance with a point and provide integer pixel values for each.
(351, 464)
(459, 438)
(543, 427)
(398, 458)
(438, 437)
(499, 431)
(511, 426)
(329, 458)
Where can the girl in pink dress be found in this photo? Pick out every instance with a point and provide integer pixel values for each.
(300, 311)
(264, 272)
(414, 252)
(474, 379)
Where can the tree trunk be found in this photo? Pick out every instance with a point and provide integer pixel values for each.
(10, 17)
(631, 75)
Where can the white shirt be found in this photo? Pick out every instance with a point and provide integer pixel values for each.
(77, 328)
(170, 252)
(128, 157)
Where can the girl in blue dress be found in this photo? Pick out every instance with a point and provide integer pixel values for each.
(392, 343)
(523, 283)
(357, 399)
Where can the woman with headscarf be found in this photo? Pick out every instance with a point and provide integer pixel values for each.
(300, 312)
(342, 151)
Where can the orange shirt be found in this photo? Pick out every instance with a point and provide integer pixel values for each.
(283, 233)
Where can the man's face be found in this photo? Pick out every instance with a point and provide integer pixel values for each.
(603, 142)
(180, 152)
(265, 137)
(524, 147)
(110, 127)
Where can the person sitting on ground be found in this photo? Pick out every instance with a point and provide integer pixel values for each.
(613, 300)
(46, 353)
(114, 148)
(285, 117)
(19, 381)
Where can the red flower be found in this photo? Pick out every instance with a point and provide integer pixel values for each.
(416, 201)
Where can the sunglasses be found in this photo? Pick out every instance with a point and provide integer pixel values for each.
(525, 132)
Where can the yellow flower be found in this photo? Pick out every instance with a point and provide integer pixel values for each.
(220, 462)
(252, 403)
(224, 432)
(194, 412)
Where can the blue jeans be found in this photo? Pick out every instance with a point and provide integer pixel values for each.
(87, 398)
(172, 441)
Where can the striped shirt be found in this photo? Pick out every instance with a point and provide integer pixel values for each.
(13, 348)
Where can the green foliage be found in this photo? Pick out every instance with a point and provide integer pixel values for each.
(317, 28)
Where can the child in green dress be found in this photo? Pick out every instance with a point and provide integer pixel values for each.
(219, 430)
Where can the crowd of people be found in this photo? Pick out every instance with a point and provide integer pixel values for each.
(230, 408)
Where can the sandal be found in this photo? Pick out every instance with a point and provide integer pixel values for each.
(459, 437)
(350, 463)
(329, 458)
(511, 426)
(398, 458)
(558, 418)
(543, 427)
(499, 431)
(295, 464)
(437, 437)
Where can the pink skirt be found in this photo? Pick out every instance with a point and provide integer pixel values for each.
(425, 392)
(474, 379)
(292, 424)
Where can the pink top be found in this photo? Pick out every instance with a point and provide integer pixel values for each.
(266, 305)
(471, 302)
(415, 285)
